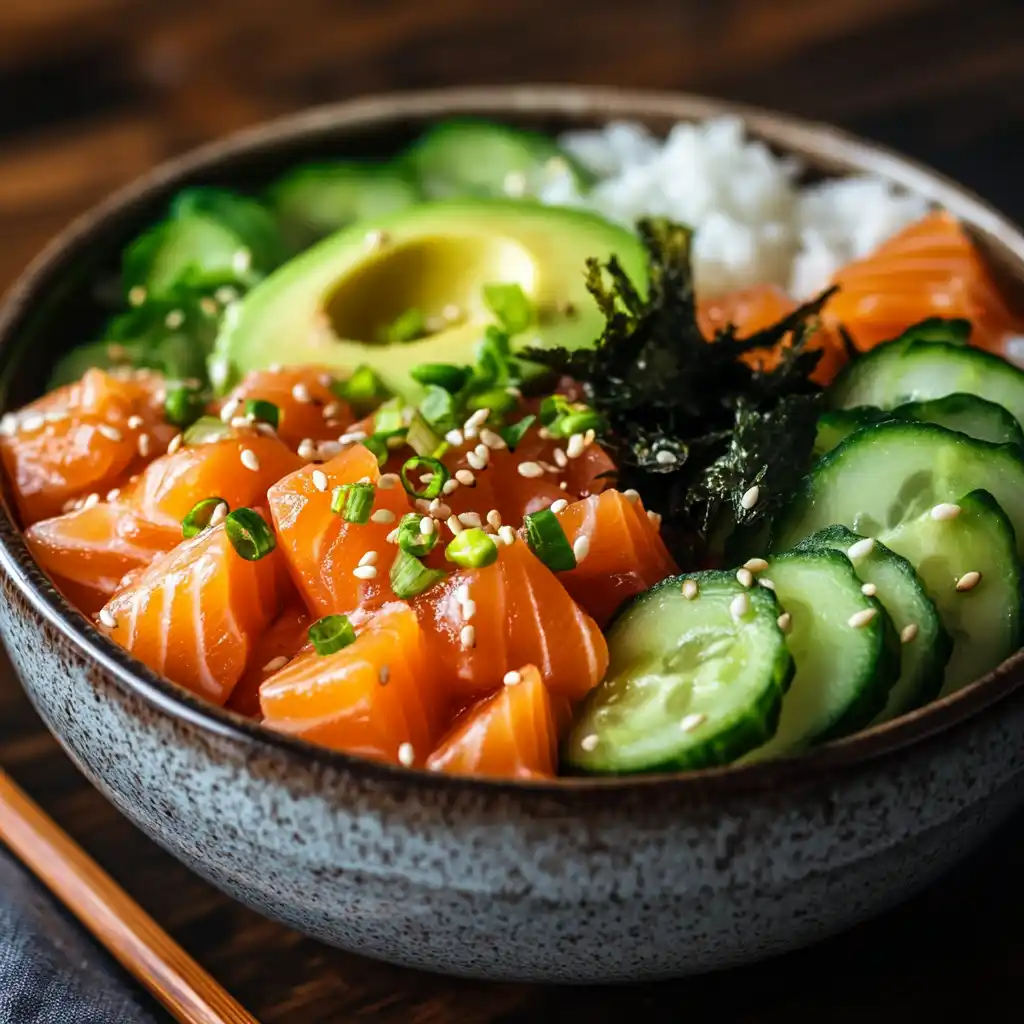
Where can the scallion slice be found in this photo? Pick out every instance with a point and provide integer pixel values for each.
(423, 439)
(438, 409)
(508, 302)
(183, 405)
(205, 430)
(412, 540)
(331, 633)
(547, 540)
(389, 417)
(472, 549)
(353, 502)
(497, 400)
(410, 577)
(432, 488)
(363, 388)
(443, 375)
(250, 536)
(198, 518)
(515, 432)
(260, 411)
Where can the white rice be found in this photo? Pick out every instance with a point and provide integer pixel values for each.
(754, 223)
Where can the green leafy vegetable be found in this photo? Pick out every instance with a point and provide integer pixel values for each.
(511, 307)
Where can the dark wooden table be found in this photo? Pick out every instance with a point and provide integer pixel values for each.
(92, 92)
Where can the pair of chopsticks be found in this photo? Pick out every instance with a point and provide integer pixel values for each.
(188, 992)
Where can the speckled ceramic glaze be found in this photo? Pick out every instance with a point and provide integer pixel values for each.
(576, 881)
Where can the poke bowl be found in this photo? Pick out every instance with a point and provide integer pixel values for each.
(540, 533)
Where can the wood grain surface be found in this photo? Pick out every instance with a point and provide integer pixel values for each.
(92, 92)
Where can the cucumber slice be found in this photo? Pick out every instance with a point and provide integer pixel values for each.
(466, 157)
(690, 684)
(901, 371)
(955, 331)
(926, 645)
(316, 200)
(985, 620)
(844, 671)
(885, 475)
(971, 415)
(837, 424)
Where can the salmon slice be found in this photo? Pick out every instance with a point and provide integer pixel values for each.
(274, 649)
(87, 552)
(625, 553)
(197, 613)
(511, 734)
(380, 697)
(929, 269)
(307, 406)
(753, 309)
(172, 485)
(81, 439)
(519, 613)
(322, 549)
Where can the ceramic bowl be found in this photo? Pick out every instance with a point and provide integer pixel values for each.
(578, 881)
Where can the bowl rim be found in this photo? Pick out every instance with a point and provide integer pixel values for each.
(832, 148)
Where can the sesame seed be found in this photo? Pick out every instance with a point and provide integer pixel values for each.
(869, 590)
(241, 261)
(454, 438)
(438, 509)
(750, 497)
(467, 637)
(654, 517)
(631, 496)
(208, 305)
(468, 609)
(529, 470)
(225, 295)
(589, 743)
(136, 295)
(107, 619)
(739, 606)
(475, 462)
(507, 536)
(666, 458)
(559, 504)
(574, 449)
(422, 505)
(478, 419)
(968, 581)
(91, 500)
(301, 393)
(387, 481)
(143, 445)
(227, 414)
(471, 520)
(466, 478)
(376, 239)
(451, 312)
(691, 722)
(330, 410)
(219, 514)
(427, 526)
(365, 572)
(33, 422)
(690, 589)
(134, 422)
(383, 515)
(861, 549)
(352, 436)
(543, 433)
(945, 511)
(564, 485)
(8, 424)
(174, 319)
(491, 439)
(368, 558)
(547, 467)
(275, 663)
(392, 537)
(755, 564)
(326, 380)
(454, 525)
(406, 755)
(240, 421)
(275, 367)
(384, 675)
(319, 479)
(860, 619)
(450, 486)
(307, 449)
(250, 461)
(113, 494)
(494, 519)
(589, 438)
(109, 432)
(767, 584)
(745, 577)
(513, 391)
(511, 678)
(908, 633)
(461, 592)
(581, 547)
(785, 622)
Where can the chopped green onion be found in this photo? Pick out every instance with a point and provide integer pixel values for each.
(423, 439)
(564, 418)
(437, 408)
(472, 549)
(432, 488)
(206, 429)
(410, 577)
(552, 407)
(547, 540)
(494, 359)
(409, 326)
(389, 417)
(183, 405)
(514, 432)
(410, 538)
(443, 375)
(364, 388)
(263, 412)
(331, 633)
(353, 502)
(508, 302)
(249, 534)
(498, 400)
(198, 517)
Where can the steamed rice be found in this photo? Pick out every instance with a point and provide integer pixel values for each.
(754, 223)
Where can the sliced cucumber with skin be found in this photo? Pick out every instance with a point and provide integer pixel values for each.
(844, 648)
(971, 415)
(467, 157)
(883, 476)
(692, 682)
(984, 620)
(925, 645)
(836, 425)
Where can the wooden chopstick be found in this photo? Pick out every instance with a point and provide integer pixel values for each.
(188, 992)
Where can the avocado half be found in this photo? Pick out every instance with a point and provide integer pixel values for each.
(331, 304)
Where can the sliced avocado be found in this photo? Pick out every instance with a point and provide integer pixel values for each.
(334, 303)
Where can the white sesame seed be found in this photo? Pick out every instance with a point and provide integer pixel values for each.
(91, 500)
(491, 439)
(468, 609)
(113, 494)
(368, 558)
(275, 663)
(559, 504)
(631, 496)
(467, 637)
(466, 478)
(513, 391)
(107, 619)
(690, 589)
(326, 380)
(454, 525)
(438, 509)
(755, 564)
(483, 452)
(219, 514)
(275, 367)
(33, 422)
(494, 519)
(174, 319)
(406, 755)
(654, 517)
(529, 470)
(589, 438)
(307, 449)
(475, 462)
(945, 511)
(507, 535)
(581, 547)
(454, 438)
(319, 479)
(422, 505)
(301, 393)
(227, 414)
(240, 421)
(109, 432)
(352, 436)
(478, 419)
(691, 722)
(543, 433)
(383, 515)
(589, 742)
(450, 486)
(511, 678)
(225, 295)
(750, 497)
(785, 622)
(860, 619)
(767, 583)
(241, 261)
(861, 549)
(208, 306)
(427, 526)
(470, 520)
(665, 457)
(143, 445)
(8, 424)
(574, 449)
(365, 572)
(384, 675)
(908, 633)
(968, 581)
(388, 480)
(739, 606)
(564, 485)
(136, 295)
(745, 577)
(561, 459)
(461, 592)
(250, 461)
(392, 537)
(331, 410)
(134, 422)
(869, 590)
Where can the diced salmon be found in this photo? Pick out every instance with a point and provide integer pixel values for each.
(87, 552)
(380, 697)
(197, 613)
(322, 549)
(518, 614)
(512, 734)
